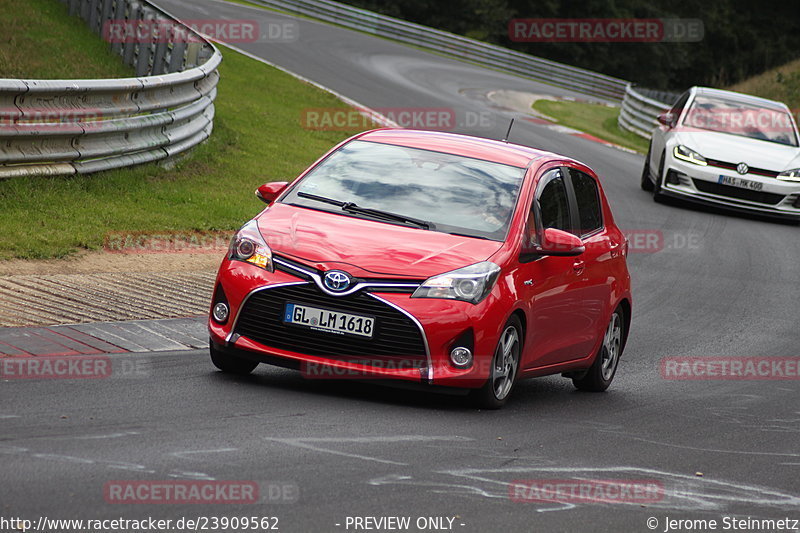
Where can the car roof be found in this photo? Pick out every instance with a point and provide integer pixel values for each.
(464, 145)
(747, 98)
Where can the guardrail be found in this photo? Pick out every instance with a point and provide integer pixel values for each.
(59, 127)
(484, 54)
(639, 111)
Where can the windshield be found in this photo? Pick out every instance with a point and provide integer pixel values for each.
(451, 193)
(742, 119)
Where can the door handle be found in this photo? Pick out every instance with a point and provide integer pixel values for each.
(578, 266)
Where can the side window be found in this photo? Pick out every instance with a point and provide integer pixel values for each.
(554, 204)
(587, 196)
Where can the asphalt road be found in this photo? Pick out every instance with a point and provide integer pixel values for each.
(723, 285)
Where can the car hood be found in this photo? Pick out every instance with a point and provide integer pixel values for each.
(736, 149)
(367, 248)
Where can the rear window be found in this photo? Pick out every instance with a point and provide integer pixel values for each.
(588, 198)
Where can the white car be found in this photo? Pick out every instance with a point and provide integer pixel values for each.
(727, 149)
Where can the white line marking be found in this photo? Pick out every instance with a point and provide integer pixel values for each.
(687, 489)
(182, 455)
(307, 444)
(109, 435)
(710, 450)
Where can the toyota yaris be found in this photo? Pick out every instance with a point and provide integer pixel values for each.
(433, 258)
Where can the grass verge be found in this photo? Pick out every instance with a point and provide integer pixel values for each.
(595, 119)
(781, 84)
(39, 40)
(257, 138)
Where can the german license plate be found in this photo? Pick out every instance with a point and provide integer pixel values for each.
(329, 321)
(740, 183)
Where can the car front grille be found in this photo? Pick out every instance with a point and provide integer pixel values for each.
(735, 192)
(397, 340)
(732, 166)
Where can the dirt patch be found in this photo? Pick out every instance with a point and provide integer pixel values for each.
(106, 286)
(519, 101)
(98, 262)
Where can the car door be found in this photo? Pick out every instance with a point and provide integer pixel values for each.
(551, 285)
(594, 267)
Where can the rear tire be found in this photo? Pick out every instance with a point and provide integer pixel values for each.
(505, 366)
(602, 372)
(647, 183)
(230, 364)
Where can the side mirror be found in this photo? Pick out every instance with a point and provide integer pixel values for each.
(667, 119)
(560, 243)
(269, 191)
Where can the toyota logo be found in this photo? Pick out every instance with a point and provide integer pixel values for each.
(742, 168)
(336, 280)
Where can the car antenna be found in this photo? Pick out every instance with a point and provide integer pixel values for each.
(511, 125)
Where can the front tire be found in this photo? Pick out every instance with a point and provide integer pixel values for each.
(601, 373)
(647, 183)
(505, 366)
(658, 196)
(230, 364)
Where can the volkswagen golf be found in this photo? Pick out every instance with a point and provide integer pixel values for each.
(728, 149)
(432, 258)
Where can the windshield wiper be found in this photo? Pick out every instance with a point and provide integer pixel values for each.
(386, 215)
(470, 235)
(351, 207)
(331, 201)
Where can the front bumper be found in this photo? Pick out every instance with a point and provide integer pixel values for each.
(256, 299)
(701, 184)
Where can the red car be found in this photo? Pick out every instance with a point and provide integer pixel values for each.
(429, 257)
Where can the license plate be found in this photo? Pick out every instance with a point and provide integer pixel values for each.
(329, 321)
(740, 183)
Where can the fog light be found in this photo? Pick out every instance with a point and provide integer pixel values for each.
(461, 357)
(673, 177)
(220, 313)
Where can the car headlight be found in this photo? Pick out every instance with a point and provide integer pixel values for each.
(790, 175)
(687, 154)
(469, 284)
(249, 246)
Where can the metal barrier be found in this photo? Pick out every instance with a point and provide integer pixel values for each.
(58, 127)
(484, 54)
(638, 111)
